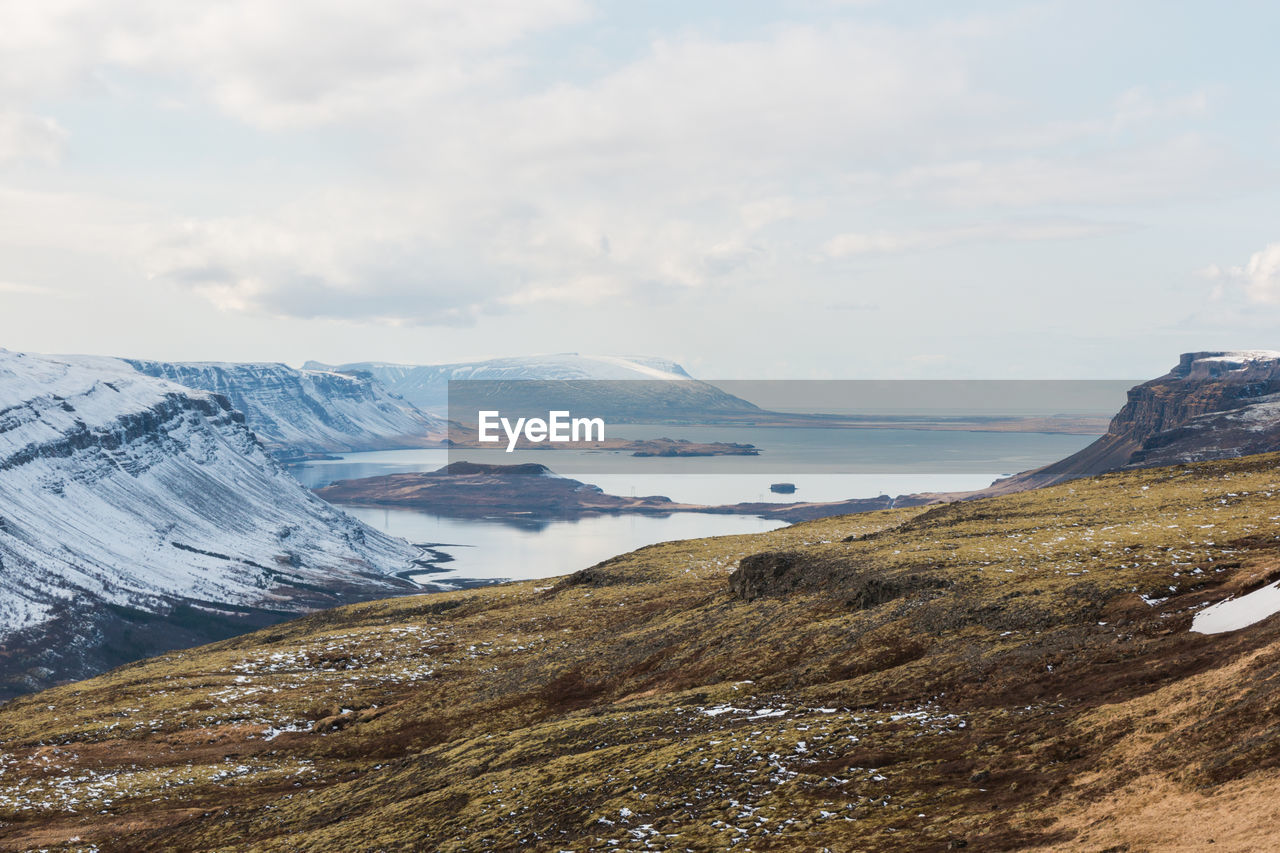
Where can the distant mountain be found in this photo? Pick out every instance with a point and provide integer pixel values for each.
(1213, 405)
(300, 412)
(137, 516)
(619, 387)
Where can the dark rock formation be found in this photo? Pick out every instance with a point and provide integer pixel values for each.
(766, 573)
(1213, 405)
(779, 573)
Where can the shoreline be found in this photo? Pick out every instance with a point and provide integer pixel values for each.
(532, 491)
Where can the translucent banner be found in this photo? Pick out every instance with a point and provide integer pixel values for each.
(778, 427)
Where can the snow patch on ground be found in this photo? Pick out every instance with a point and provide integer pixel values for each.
(1237, 613)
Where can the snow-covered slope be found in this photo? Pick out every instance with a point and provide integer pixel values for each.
(137, 515)
(296, 412)
(567, 366)
(641, 383)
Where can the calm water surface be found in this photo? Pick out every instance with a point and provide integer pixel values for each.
(879, 462)
(491, 549)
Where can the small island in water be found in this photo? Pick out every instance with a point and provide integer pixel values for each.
(671, 447)
(466, 436)
(471, 490)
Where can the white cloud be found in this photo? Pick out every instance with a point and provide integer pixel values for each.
(30, 137)
(671, 171)
(53, 221)
(1137, 106)
(22, 288)
(334, 257)
(700, 162)
(274, 64)
(394, 257)
(1258, 280)
(663, 173)
(1187, 165)
(701, 122)
(884, 241)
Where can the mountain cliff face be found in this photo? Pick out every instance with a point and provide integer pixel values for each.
(1213, 405)
(608, 386)
(137, 516)
(299, 412)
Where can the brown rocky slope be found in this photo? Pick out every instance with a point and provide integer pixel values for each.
(1014, 673)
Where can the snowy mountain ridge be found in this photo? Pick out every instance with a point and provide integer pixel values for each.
(570, 365)
(298, 412)
(640, 384)
(125, 494)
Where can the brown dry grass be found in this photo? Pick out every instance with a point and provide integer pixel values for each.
(986, 673)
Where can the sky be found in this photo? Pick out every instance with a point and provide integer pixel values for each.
(808, 189)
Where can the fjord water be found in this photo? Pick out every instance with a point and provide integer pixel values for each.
(885, 461)
(489, 549)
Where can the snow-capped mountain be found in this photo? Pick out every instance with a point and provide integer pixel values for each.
(637, 385)
(137, 516)
(299, 412)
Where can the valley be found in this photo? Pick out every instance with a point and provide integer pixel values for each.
(1035, 669)
(568, 426)
(1012, 673)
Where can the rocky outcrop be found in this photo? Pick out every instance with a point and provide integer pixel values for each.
(860, 587)
(1213, 405)
(1253, 428)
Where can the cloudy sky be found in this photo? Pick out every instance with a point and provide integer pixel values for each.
(1068, 189)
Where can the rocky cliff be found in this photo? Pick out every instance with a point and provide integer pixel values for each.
(1213, 405)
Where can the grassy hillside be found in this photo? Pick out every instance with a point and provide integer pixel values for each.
(1012, 673)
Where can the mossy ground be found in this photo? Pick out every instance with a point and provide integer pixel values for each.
(1010, 673)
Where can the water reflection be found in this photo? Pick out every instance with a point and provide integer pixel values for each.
(516, 547)
(492, 549)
